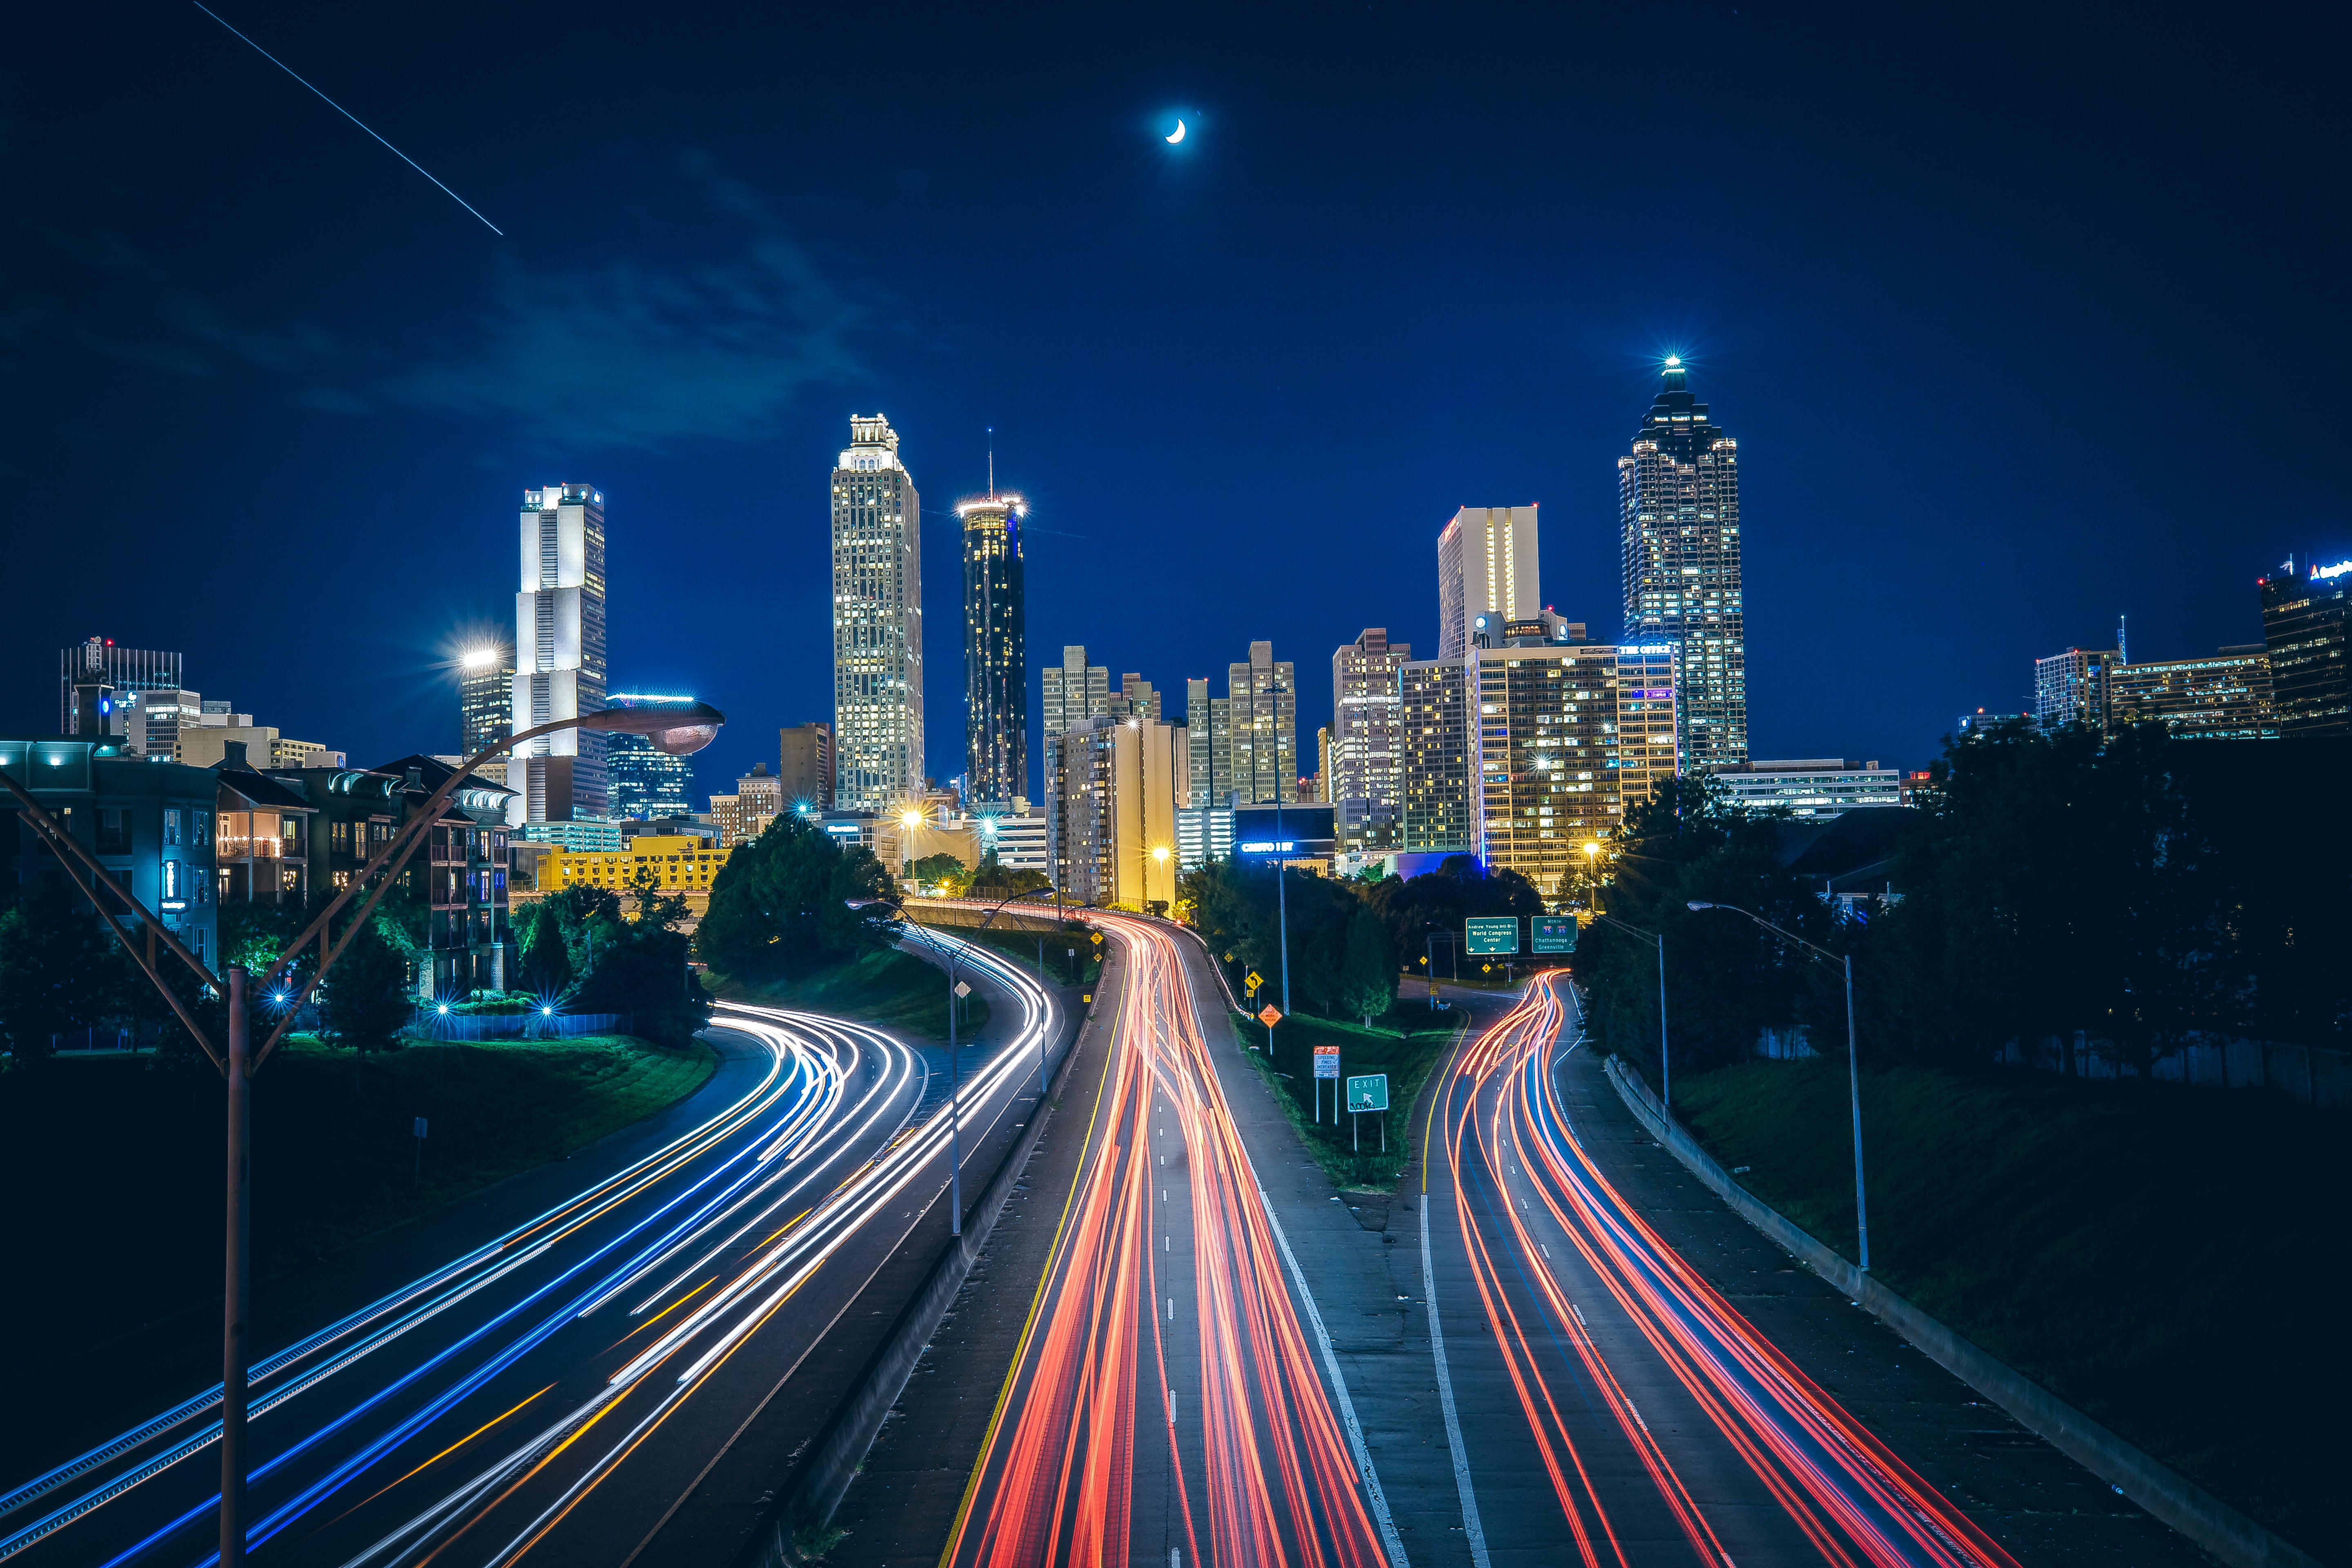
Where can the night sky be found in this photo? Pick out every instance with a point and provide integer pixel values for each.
(2022, 320)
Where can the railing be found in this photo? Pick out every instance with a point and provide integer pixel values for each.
(431, 1026)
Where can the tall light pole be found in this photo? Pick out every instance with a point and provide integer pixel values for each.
(1852, 1066)
(679, 729)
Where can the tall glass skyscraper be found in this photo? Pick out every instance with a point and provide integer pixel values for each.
(485, 705)
(877, 623)
(996, 648)
(560, 655)
(1678, 499)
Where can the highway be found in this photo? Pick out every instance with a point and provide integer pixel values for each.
(560, 1388)
(1645, 1419)
(1173, 1396)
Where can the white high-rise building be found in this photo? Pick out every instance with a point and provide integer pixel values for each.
(1367, 759)
(1487, 565)
(558, 669)
(877, 623)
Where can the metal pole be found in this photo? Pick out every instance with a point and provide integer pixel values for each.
(237, 1272)
(955, 1148)
(1665, 1068)
(1853, 1082)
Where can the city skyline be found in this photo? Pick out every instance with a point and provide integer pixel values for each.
(450, 365)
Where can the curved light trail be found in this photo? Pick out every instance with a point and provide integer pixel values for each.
(470, 1415)
(1516, 1163)
(1166, 1398)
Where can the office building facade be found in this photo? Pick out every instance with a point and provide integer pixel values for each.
(1814, 788)
(1113, 795)
(1262, 715)
(1365, 763)
(486, 706)
(878, 622)
(1678, 506)
(2071, 688)
(996, 648)
(1522, 755)
(804, 765)
(2226, 696)
(1073, 691)
(645, 781)
(560, 655)
(1209, 746)
(1487, 565)
(105, 676)
(2303, 635)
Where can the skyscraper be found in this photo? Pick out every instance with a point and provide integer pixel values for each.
(645, 781)
(1487, 565)
(560, 655)
(109, 674)
(1209, 746)
(2310, 664)
(995, 647)
(804, 765)
(1262, 706)
(2071, 688)
(1678, 502)
(1366, 720)
(486, 705)
(1074, 690)
(877, 623)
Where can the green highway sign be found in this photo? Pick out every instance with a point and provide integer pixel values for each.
(1552, 934)
(1495, 933)
(1369, 1092)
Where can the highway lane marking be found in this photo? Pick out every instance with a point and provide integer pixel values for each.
(1471, 1527)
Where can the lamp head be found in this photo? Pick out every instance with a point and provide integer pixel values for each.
(1695, 904)
(1592, 849)
(910, 819)
(678, 725)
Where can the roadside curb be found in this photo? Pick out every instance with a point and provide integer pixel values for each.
(840, 1449)
(2228, 1536)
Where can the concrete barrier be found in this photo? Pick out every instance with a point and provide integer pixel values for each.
(824, 1480)
(2220, 1530)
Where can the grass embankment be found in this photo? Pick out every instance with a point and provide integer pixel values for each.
(1406, 1045)
(114, 1162)
(2169, 1259)
(893, 989)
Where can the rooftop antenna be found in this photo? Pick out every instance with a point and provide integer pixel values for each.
(991, 462)
(2123, 643)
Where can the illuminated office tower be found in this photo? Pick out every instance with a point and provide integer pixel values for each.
(1678, 502)
(2303, 626)
(1209, 747)
(1487, 565)
(1262, 712)
(559, 670)
(1367, 707)
(877, 623)
(995, 649)
(1074, 691)
(486, 705)
(2071, 688)
(109, 675)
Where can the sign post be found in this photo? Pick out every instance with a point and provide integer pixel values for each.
(1368, 1091)
(1269, 1016)
(1326, 1065)
(417, 1178)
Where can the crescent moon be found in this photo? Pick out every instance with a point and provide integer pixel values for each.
(1176, 135)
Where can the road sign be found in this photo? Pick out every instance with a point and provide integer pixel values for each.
(420, 1127)
(1495, 933)
(1327, 1061)
(1552, 934)
(963, 988)
(1253, 980)
(1269, 1016)
(1097, 939)
(1369, 1092)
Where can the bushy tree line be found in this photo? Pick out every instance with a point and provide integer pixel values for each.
(1346, 936)
(2137, 890)
(582, 944)
(793, 901)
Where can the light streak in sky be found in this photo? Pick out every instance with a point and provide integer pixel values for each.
(354, 119)
(1509, 1138)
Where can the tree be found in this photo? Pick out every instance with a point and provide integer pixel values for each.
(992, 880)
(781, 906)
(942, 870)
(643, 969)
(1368, 981)
(60, 971)
(367, 1001)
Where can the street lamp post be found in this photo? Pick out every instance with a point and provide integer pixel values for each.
(678, 730)
(1852, 1066)
(955, 1074)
